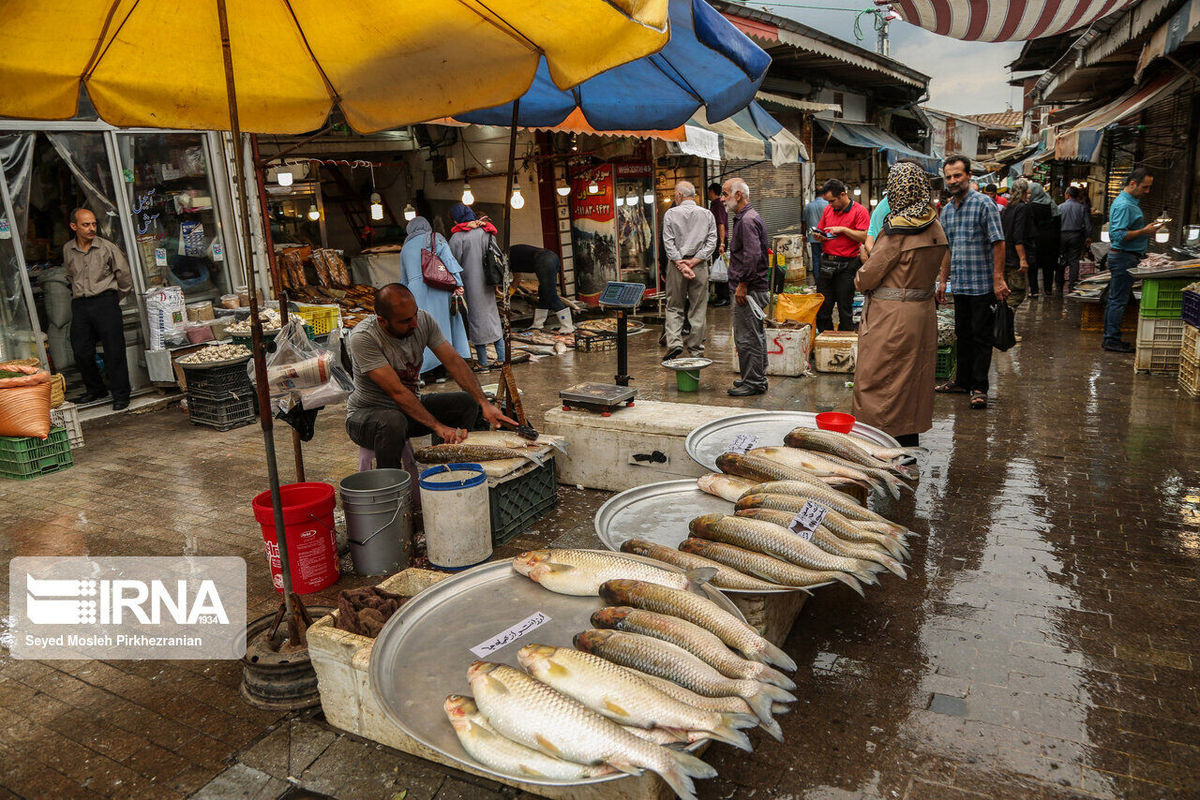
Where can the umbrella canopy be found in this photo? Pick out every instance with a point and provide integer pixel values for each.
(159, 63)
(1003, 20)
(708, 62)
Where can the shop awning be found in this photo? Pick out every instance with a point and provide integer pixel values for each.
(869, 137)
(1182, 28)
(1003, 20)
(769, 99)
(749, 135)
(1082, 142)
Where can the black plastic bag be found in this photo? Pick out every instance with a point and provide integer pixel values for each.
(1004, 334)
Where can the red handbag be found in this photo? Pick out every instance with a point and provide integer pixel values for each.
(433, 271)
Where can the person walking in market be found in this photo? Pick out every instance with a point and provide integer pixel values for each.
(1045, 257)
(388, 351)
(993, 194)
(842, 229)
(545, 264)
(689, 234)
(99, 277)
(810, 221)
(897, 340)
(748, 279)
(435, 301)
(1020, 242)
(1076, 232)
(721, 217)
(976, 267)
(469, 241)
(1130, 238)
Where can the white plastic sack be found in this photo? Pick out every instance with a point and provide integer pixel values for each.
(719, 271)
(300, 371)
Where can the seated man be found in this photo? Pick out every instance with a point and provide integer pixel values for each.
(384, 410)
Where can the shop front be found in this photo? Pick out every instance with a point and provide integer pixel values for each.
(161, 197)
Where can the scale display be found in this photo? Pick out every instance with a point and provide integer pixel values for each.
(622, 295)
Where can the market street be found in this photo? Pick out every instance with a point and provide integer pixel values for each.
(1043, 646)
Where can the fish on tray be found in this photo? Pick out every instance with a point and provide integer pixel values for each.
(844, 446)
(824, 538)
(848, 529)
(726, 487)
(467, 453)
(757, 468)
(531, 713)
(726, 577)
(766, 566)
(582, 572)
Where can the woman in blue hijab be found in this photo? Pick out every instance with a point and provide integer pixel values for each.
(435, 302)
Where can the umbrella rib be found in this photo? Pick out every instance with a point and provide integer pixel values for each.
(333, 93)
(101, 46)
(498, 22)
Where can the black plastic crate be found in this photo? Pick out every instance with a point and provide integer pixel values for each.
(217, 383)
(518, 501)
(1191, 309)
(587, 341)
(225, 414)
(25, 457)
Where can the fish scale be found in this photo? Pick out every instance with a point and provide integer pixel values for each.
(765, 537)
(726, 578)
(769, 567)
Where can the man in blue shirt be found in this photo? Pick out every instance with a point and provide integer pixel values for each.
(1076, 222)
(976, 264)
(811, 220)
(1130, 237)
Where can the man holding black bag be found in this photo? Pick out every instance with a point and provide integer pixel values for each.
(976, 265)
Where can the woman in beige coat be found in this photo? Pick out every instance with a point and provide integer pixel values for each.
(897, 340)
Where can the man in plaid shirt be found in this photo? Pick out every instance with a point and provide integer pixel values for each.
(976, 267)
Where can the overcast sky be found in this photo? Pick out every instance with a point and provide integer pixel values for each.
(967, 77)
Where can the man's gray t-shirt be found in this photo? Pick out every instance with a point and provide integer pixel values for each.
(372, 348)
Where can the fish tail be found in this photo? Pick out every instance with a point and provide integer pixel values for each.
(679, 769)
(892, 483)
(850, 581)
(727, 731)
(772, 727)
(701, 575)
(775, 694)
(894, 566)
(777, 657)
(865, 576)
(780, 708)
(738, 720)
(759, 702)
(773, 676)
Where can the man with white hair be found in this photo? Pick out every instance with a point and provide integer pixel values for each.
(689, 233)
(748, 277)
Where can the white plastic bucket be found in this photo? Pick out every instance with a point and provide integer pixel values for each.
(458, 517)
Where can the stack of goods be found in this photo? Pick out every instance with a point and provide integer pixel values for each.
(219, 393)
(301, 267)
(662, 668)
(357, 302)
(947, 349)
(1160, 325)
(29, 446)
(1189, 349)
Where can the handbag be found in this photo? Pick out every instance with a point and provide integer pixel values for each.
(495, 265)
(1004, 335)
(433, 271)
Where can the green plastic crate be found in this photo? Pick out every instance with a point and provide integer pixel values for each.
(517, 502)
(947, 362)
(25, 457)
(1162, 298)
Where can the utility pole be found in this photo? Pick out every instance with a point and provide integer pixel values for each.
(883, 45)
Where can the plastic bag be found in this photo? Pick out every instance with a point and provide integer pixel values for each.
(299, 366)
(1004, 335)
(801, 308)
(719, 271)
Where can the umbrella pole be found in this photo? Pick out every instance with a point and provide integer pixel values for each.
(295, 630)
(507, 392)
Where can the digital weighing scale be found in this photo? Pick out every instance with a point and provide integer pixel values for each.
(605, 397)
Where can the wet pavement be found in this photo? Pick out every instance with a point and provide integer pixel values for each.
(1044, 645)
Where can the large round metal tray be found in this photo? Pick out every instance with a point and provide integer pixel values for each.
(712, 439)
(660, 513)
(423, 651)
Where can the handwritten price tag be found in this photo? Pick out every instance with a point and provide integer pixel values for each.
(808, 520)
(742, 442)
(500, 640)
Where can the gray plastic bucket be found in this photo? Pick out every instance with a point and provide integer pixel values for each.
(378, 507)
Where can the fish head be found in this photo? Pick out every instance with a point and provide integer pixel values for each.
(615, 591)
(592, 640)
(701, 523)
(459, 709)
(726, 462)
(708, 483)
(636, 546)
(532, 655)
(479, 669)
(750, 501)
(694, 546)
(610, 616)
(527, 561)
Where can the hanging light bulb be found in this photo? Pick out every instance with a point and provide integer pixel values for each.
(1162, 235)
(376, 206)
(621, 200)
(857, 192)
(562, 188)
(631, 199)
(467, 196)
(517, 201)
(313, 213)
(284, 177)
(874, 202)
(648, 197)
(593, 187)
(410, 213)
(1193, 232)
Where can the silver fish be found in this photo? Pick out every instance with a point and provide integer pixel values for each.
(783, 572)
(580, 572)
(531, 713)
(848, 529)
(700, 611)
(825, 539)
(727, 487)
(837, 444)
(726, 577)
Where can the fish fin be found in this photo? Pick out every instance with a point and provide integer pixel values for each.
(772, 727)
(497, 686)
(548, 746)
(895, 567)
(613, 708)
(866, 576)
(891, 483)
(727, 732)
(624, 766)
(780, 708)
(701, 575)
(738, 720)
(850, 581)
(549, 567)
(693, 767)
(556, 669)
(775, 677)
(777, 657)
(759, 702)
(776, 694)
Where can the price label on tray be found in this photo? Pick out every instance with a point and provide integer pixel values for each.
(489, 646)
(808, 520)
(742, 443)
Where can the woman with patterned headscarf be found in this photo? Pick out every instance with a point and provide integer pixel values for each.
(897, 340)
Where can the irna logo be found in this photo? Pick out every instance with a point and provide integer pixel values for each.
(115, 602)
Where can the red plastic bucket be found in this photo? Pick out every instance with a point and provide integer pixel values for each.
(308, 526)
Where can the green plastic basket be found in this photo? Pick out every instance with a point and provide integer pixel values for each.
(947, 362)
(1162, 298)
(25, 457)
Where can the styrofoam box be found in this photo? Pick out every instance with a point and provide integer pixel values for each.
(633, 447)
(342, 662)
(836, 351)
(787, 351)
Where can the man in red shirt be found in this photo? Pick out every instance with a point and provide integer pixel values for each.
(843, 228)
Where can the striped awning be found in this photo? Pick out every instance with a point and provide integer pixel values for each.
(1082, 142)
(1002, 20)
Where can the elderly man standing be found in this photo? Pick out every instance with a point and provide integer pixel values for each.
(748, 276)
(99, 277)
(689, 240)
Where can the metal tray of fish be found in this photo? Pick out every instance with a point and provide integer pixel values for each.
(423, 651)
(712, 439)
(660, 513)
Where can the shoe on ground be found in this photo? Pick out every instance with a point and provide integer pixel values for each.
(686, 330)
(91, 397)
(1034, 295)
(674, 352)
(120, 405)
(719, 303)
(746, 390)
(1120, 347)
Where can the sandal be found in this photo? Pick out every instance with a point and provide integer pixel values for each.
(949, 387)
(978, 400)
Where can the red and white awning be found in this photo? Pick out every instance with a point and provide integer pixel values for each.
(1002, 20)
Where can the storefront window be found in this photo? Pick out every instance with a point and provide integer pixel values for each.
(178, 238)
(16, 331)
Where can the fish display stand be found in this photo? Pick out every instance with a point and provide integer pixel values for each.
(342, 663)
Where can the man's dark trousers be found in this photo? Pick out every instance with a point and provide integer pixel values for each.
(973, 315)
(98, 318)
(386, 430)
(835, 281)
